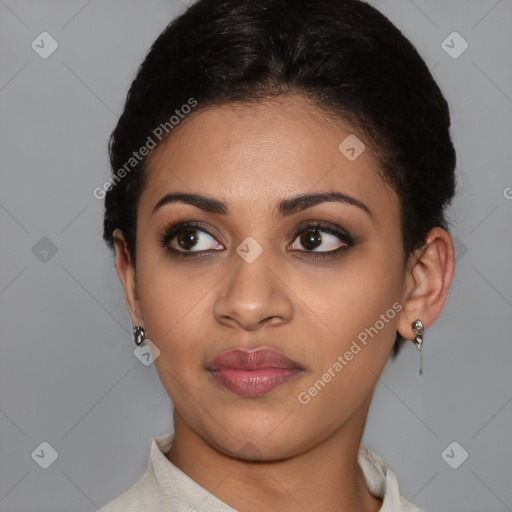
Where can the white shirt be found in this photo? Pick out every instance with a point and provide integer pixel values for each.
(165, 488)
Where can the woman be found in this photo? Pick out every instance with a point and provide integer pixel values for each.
(280, 175)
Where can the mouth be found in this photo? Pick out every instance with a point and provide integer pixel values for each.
(253, 373)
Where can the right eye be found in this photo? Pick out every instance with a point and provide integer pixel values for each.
(189, 237)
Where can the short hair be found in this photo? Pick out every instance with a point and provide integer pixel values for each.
(344, 55)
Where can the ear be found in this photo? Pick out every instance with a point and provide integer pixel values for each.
(126, 272)
(427, 281)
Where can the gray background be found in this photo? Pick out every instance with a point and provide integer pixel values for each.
(68, 374)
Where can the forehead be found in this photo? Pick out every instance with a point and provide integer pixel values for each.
(252, 154)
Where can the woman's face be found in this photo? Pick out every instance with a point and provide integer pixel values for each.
(318, 281)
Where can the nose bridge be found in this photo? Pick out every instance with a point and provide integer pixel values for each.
(252, 293)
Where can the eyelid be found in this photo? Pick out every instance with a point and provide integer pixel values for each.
(184, 223)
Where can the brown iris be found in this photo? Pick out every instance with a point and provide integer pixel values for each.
(187, 239)
(310, 239)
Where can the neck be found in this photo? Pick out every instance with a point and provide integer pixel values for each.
(325, 477)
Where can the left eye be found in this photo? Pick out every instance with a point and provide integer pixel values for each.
(318, 240)
(194, 240)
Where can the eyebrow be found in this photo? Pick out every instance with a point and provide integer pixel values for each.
(285, 207)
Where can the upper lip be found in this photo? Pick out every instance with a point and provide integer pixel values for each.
(242, 359)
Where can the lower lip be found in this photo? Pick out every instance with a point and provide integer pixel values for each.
(252, 383)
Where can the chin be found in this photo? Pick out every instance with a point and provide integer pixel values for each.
(266, 438)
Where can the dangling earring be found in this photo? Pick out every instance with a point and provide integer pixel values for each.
(139, 334)
(417, 327)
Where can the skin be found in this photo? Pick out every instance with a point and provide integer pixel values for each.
(273, 452)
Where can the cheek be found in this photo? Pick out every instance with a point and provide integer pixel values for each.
(171, 296)
(176, 302)
(353, 298)
(360, 309)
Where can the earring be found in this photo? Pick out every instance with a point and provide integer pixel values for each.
(139, 334)
(418, 327)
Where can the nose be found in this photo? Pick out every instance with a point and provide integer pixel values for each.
(253, 296)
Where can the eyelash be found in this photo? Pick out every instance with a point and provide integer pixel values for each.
(177, 227)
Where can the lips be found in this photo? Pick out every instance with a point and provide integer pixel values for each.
(253, 373)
